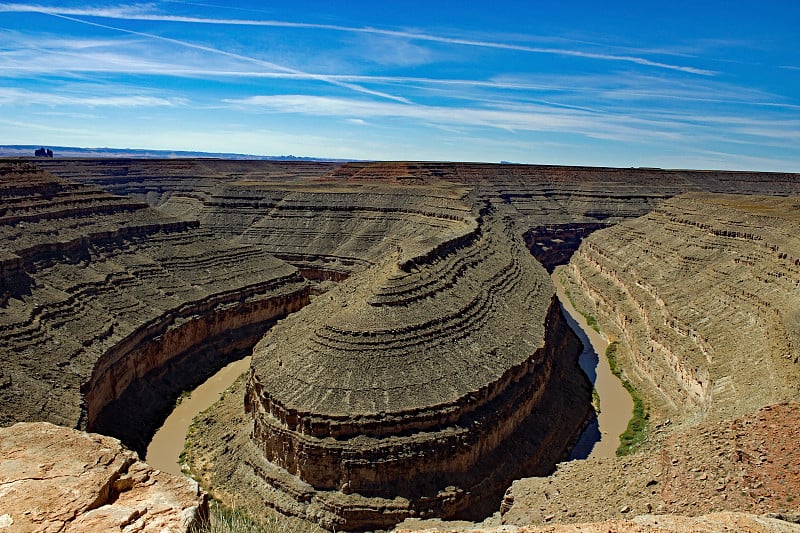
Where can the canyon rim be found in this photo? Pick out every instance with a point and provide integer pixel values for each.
(401, 326)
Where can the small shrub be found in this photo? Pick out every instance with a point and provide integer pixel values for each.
(636, 431)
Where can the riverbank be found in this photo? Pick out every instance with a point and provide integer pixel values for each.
(616, 404)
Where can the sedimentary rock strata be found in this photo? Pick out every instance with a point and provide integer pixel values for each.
(101, 292)
(439, 360)
(61, 480)
(551, 201)
(327, 228)
(397, 393)
(702, 296)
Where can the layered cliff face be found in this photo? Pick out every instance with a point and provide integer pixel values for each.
(397, 393)
(556, 206)
(325, 227)
(703, 296)
(100, 294)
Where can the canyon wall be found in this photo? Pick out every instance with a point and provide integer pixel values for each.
(440, 357)
(702, 296)
(397, 393)
(555, 205)
(100, 290)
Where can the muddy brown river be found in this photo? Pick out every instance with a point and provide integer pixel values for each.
(165, 449)
(616, 405)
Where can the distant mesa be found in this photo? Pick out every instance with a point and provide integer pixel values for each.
(43, 152)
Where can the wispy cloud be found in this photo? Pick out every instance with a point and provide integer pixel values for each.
(21, 97)
(509, 117)
(260, 62)
(48, 56)
(118, 12)
(136, 13)
(656, 127)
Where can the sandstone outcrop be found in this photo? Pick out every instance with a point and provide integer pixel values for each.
(106, 303)
(62, 480)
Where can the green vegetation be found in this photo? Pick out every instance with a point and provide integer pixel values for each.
(224, 519)
(184, 395)
(590, 320)
(595, 400)
(636, 431)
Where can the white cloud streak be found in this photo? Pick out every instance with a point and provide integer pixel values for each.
(20, 97)
(76, 56)
(510, 117)
(657, 127)
(260, 62)
(127, 13)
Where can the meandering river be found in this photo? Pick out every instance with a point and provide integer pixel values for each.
(616, 405)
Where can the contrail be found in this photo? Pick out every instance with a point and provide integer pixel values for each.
(268, 64)
(111, 13)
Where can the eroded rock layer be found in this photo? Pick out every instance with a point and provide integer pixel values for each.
(746, 464)
(273, 201)
(703, 295)
(98, 291)
(396, 393)
(438, 362)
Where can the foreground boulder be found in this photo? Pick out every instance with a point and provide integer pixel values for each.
(58, 479)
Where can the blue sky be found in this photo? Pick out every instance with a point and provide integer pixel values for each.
(671, 84)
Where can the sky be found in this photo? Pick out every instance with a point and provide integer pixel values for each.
(677, 84)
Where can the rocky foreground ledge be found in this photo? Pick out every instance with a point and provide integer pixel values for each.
(57, 479)
(712, 523)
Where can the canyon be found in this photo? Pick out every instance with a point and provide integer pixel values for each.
(407, 348)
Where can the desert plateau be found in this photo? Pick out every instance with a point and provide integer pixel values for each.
(411, 364)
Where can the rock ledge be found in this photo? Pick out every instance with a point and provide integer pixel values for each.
(58, 479)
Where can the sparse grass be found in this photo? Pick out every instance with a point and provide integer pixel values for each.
(224, 519)
(636, 431)
(185, 395)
